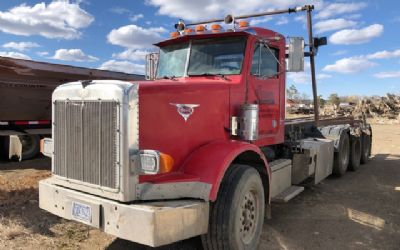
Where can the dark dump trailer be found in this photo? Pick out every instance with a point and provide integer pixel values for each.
(25, 100)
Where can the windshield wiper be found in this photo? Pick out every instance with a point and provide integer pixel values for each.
(169, 77)
(210, 74)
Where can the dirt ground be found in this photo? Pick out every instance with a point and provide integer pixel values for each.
(358, 211)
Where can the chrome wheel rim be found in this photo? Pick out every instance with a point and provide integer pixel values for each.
(248, 216)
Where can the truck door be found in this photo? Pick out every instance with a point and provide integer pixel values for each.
(264, 75)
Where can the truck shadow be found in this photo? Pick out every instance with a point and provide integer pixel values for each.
(39, 163)
(358, 210)
(189, 244)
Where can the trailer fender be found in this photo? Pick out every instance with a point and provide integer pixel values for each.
(211, 161)
(334, 133)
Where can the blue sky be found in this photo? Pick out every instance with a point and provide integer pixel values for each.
(362, 57)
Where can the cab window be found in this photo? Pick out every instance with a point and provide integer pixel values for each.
(264, 63)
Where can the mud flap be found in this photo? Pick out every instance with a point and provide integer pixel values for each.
(15, 148)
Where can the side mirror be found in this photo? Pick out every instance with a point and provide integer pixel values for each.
(295, 54)
(151, 66)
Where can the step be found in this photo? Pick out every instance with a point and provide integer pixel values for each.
(288, 194)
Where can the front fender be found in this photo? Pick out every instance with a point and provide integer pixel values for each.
(211, 161)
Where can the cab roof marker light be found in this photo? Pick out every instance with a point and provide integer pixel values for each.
(215, 28)
(243, 24)
(200, 28)
(174, 34)
(188, 31)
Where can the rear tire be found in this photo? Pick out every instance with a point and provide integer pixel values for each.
(341, 158)
(355, 153)
(365, 148)
(237, 216)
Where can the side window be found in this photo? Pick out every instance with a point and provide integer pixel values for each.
(264, 62)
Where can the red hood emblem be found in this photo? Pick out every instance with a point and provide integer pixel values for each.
(185, 110)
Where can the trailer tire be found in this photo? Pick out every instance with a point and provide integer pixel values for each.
(341, 158)
(355, 153)
(237, 216)
(365, 148)
(3, 152)
(30, 146)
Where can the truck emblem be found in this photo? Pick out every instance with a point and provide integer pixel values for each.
(185, 110)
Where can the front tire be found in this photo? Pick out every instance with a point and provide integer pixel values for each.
(237, 216)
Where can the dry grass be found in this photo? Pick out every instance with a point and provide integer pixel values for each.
(10, 229)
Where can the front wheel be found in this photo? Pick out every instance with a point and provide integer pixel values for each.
(236, 217)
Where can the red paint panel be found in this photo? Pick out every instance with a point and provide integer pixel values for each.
(162, 128)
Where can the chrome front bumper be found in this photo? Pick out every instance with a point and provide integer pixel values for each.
(149, 223)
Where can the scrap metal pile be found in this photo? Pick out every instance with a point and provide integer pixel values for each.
(379, 108)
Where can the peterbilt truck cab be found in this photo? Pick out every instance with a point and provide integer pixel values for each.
(199, 149)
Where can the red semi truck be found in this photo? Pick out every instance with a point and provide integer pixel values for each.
(202, 148)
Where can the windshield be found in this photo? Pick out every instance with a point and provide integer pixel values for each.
(172, 60)
(222, 56)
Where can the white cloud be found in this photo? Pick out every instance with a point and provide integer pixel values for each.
(334, 9)
(14, 55)
(131, 55)
(132, 17)
(42, 53)
(356, 36)
(58, 19)
(339, 52)
(349, 65)
(195, 10)
(354, 16)
(21, 46)
(75, 55)
(388, 74)
(136, 17)
(120, 10)
(384, 54)
(333, 24)
(301, 18)
(323, 76)
(135, 37)
(123, 66)
(299, 77)
(282, 20)
(257, 21)
(305, 77)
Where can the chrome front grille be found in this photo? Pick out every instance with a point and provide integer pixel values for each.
(86, 141)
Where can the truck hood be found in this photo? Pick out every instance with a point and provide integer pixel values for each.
(177, 117)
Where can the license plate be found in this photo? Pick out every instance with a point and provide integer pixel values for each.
(81, 212)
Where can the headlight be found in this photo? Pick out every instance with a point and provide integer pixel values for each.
(149, 161)
(154, 162)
